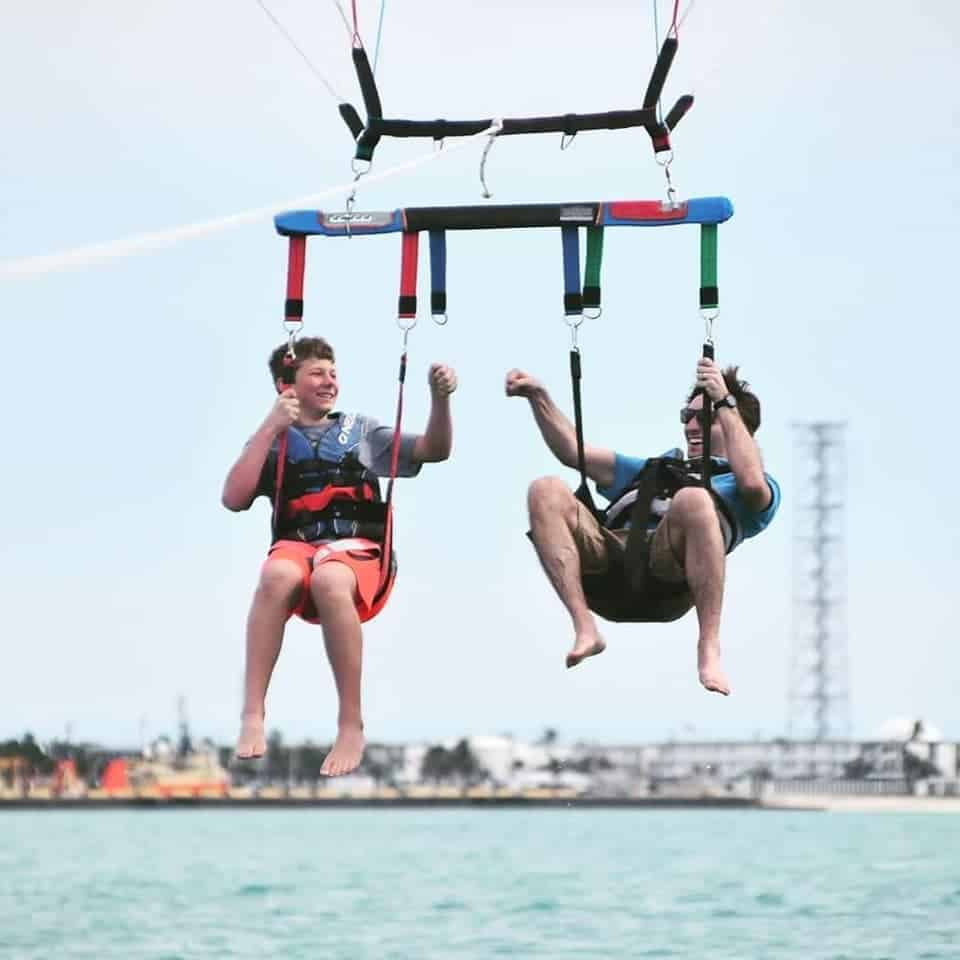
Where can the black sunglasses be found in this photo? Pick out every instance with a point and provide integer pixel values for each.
(688, 413)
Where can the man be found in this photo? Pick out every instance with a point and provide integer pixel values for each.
(659, 549)
(325, 563)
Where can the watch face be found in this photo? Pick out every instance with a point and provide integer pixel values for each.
(730, 400)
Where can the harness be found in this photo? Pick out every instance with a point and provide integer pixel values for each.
(625, 592)
(324, 492)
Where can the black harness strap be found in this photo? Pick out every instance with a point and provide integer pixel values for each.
(706, 424)
(583, 491)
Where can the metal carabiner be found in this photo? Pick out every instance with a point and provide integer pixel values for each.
(709, 315)
(573, 321)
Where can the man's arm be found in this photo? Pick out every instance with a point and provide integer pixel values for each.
(742, 450)
(240, 487)
(558, 432)
(436, 442)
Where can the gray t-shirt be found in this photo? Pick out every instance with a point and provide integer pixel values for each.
(375, 447)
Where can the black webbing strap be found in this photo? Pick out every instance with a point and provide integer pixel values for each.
(368, 138)
(583, 491)
(660, 132)
(706, 424)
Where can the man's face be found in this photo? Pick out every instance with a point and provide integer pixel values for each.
(693, 430)
(316, 386)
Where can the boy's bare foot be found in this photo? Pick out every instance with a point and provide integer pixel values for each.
(711, 673)
(586, 645)
(253, 741)
(346, 753)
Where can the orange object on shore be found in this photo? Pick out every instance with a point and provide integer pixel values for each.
(116, 775)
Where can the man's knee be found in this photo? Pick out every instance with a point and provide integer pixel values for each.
(280, 579)
(693, 505)
(332, 584)
(549, 495)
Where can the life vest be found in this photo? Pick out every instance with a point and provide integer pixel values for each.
(326, 493)
(655, 485)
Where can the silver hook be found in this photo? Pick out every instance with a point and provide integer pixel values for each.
(406, 324)
(495, 128)
(671, 190)
(573, 321)
(708, 318)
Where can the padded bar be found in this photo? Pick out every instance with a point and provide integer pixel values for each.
(650, 213)
(316, 222)
(617, 213)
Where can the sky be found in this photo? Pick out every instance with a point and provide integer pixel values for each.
(130, 385)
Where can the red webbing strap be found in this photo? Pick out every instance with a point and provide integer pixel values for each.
(278, 482)
(407, 302)
(296, 261)
(288, 375)
(385, 558)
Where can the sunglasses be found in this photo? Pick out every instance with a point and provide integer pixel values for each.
(688, 413)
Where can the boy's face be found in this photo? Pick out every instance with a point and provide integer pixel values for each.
(316, 386)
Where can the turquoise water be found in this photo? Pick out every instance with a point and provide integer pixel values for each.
(375, 885)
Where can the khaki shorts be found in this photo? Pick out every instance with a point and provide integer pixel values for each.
(659, 595)
(594, 544)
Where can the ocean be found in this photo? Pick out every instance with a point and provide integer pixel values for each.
(470, 884)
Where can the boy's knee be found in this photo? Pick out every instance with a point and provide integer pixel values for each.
(332, 583)
(280, 577)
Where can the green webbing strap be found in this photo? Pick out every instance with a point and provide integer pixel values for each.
(709, 292)
(591, 273)
(709, 300)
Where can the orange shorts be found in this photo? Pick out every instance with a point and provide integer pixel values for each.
(360, 555)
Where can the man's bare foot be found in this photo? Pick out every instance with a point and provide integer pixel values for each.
(253, 741)
(346, 753)
(711, 673)
(586, 645)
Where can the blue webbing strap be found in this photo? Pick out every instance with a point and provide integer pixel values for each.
(438, 272)
(572, 297)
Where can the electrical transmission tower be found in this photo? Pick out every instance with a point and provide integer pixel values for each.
(819, 707)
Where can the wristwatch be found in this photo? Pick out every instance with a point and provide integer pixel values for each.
(728, 401)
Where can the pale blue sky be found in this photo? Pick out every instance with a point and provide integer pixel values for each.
(131, 385)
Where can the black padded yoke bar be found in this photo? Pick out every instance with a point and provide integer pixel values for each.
(368, 135)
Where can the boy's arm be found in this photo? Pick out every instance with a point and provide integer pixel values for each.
(436, 442)
(558, 432)
(240, 487)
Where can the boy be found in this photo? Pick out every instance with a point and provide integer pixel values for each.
(325, 560)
